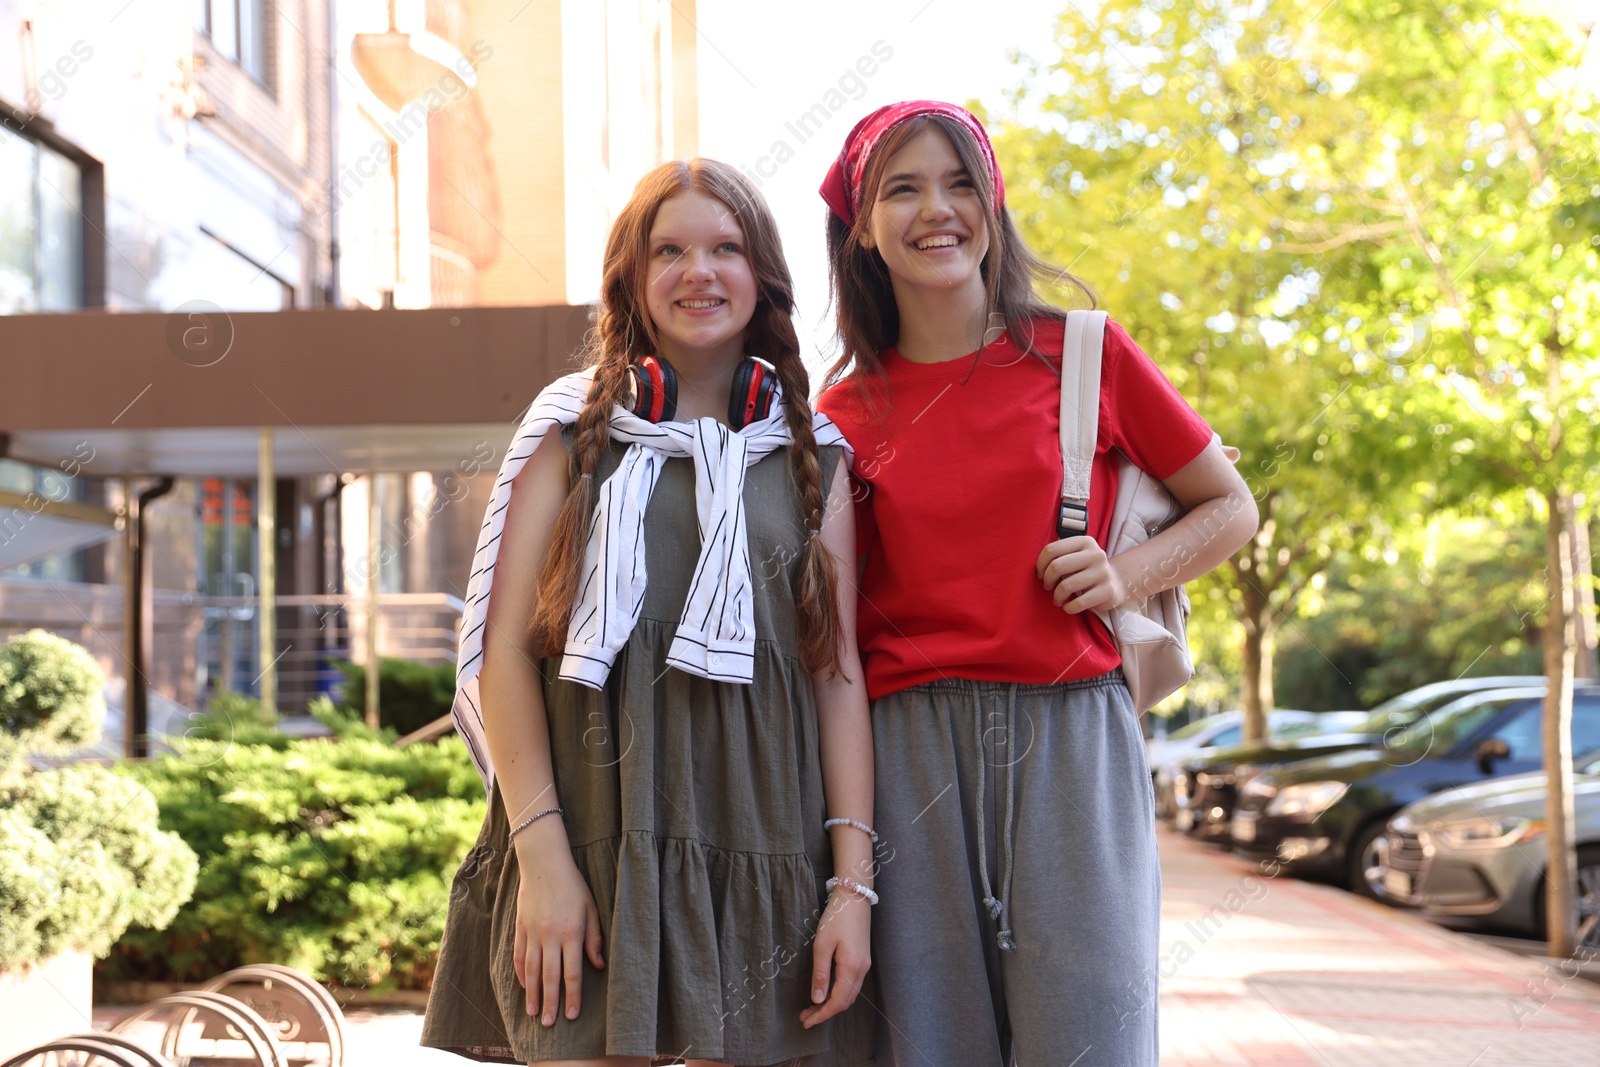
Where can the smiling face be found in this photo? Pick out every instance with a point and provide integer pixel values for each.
(700, 289)
(927, 220)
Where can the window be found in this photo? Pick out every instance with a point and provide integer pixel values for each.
(233, 282)
(49, 484)
(41, 228)
(228, 552)
(1404, 710)
(1230, 736)
(1450, 724)
(1189, 730)
(1585, 725)
(237, 29)
(1523, 734)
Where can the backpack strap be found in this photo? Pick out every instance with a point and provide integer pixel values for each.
(1080, 415)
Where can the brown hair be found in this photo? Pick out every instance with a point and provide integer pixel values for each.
(623, 332)
(869, 319)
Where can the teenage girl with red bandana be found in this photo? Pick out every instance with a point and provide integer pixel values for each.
(1018, 865)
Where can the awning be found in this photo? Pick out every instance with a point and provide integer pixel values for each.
(186, 393)
(32, 527)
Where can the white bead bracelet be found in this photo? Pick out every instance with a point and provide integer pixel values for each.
(828, 824)
(854, 887)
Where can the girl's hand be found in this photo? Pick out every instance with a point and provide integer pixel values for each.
(1080, 576)
(557, 922)
(843, 951)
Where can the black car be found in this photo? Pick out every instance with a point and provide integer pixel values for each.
(1207, 785)
(1324, 816)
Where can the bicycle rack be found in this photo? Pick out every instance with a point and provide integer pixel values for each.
(300, 1010)
(89, 1050)
(230, 1033)
(261, 1015)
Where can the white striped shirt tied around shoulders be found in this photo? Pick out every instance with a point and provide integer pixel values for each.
(715, 637)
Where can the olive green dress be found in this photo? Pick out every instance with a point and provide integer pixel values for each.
(694, 809)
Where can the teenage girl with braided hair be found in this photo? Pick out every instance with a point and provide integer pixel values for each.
(677, 857)
(1012, 788)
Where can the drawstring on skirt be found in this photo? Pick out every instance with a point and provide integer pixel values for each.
(998, 908)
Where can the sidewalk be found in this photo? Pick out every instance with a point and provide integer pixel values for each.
(1261, 971)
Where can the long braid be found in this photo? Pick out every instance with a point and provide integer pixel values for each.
(815, 604)
(563, 567)
(771, 336)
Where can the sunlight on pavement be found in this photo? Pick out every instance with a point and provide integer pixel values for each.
(1258, 970)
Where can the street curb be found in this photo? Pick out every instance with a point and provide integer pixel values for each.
(1537, 950)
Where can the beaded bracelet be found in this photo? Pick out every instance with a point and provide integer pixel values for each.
(828, 824)
(853, 886)
(529, 821)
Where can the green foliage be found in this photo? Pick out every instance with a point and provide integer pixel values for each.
(81, 858)
(332, 856)
(1360, 237)
(346, 723)
(410, 694)
(50, 700)
(234, 717)
(239, 719)
(1452, 599)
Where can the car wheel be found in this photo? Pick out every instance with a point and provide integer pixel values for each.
(1588, 901)
(1365, 871)
(1589, 897)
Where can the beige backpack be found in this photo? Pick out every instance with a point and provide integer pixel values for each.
(1151, 635)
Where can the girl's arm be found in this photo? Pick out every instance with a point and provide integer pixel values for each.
(557, 922)
(1220, 518)
(842, 951)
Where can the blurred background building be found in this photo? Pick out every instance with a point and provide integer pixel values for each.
(334, 247)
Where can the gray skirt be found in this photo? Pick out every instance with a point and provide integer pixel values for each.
(1021, 891)
(694, 810)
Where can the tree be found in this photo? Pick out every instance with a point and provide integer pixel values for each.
(1420, 178)
(1151, 160)
(1443, 599)
(1480, 172)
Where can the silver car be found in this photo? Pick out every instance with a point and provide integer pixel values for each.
(1478, 852)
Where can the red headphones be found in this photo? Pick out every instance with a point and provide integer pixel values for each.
(653, 391)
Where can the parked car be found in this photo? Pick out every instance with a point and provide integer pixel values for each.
(1207, 785)
(1223, 728)
(1340, 722)
(1205, 736)
(1478, 853)
(1325, 815)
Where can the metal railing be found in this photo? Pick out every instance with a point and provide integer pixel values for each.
(204, 645)
(315, 632)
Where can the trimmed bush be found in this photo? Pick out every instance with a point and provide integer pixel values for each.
(232, 718)
(330, 855)
(81, 858)
(50, 699)
(410, 694)
(81, 861)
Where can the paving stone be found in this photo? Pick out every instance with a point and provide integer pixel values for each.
(1265, 971)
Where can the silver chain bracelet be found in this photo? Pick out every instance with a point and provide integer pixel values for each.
(529, 821)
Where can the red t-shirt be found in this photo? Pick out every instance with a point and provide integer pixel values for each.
(960, 487)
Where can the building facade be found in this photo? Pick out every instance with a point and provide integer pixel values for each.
(211, 160)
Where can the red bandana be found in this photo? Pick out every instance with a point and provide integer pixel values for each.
(842, 187)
